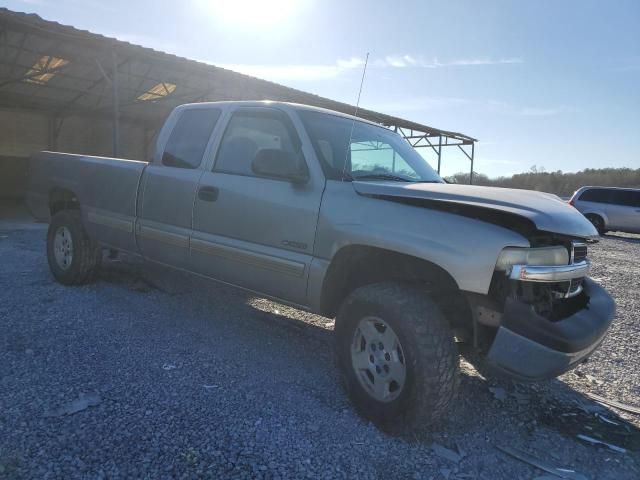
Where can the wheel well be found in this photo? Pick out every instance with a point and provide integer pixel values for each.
(588, 215)
(62, 199)
(592, 214)
(355, 266)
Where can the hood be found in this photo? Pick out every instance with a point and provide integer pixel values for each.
(547, 212)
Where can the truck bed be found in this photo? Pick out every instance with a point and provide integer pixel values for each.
(107, 189)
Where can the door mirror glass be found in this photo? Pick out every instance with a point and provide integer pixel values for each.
(280, 164)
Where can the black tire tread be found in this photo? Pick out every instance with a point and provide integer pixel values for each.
(436, 361)
(85, 252)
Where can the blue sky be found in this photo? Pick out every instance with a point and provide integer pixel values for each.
(550, 83)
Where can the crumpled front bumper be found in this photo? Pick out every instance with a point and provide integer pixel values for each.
(530, 347)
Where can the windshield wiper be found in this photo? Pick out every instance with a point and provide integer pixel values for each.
(381, 176)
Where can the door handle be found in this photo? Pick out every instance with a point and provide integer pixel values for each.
(208, 194)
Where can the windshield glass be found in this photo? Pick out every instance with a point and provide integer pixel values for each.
(374, 153)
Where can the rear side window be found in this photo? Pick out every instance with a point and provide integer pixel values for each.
(249, 131)
(189, 138)
(627, 198)
(598, 195)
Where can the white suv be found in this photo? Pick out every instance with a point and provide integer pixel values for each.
(609, 208)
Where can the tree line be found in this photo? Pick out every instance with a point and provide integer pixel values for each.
(558, 182)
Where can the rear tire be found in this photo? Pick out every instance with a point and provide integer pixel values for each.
(73, 257)
(425, 361)
(598, 222)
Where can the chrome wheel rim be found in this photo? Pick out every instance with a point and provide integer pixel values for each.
(378, 359)
(63, 248)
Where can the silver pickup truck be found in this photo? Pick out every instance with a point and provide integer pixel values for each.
(343, 218)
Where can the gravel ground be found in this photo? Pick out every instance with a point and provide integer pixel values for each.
(152, 374)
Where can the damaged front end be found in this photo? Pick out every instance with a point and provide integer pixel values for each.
(542, 315)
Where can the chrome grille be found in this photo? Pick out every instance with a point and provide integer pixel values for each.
(578, 252)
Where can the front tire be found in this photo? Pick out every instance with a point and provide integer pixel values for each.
(397, 356)
(73, 257)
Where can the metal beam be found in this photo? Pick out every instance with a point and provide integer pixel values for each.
(415, 138)
(439, 152)
(116, 113)
(94, 84)
(472, 155)
(464, 151)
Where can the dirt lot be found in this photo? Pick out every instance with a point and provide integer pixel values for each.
(152, 374)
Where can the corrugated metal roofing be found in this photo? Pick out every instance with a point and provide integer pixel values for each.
(29, 79)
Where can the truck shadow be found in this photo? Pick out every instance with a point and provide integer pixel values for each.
(483, 405)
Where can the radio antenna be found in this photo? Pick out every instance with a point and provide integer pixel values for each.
(355, 114)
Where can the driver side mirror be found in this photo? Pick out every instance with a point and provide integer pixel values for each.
(279, 164)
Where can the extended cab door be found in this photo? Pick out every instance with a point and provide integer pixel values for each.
(169, 185)
(252, 231)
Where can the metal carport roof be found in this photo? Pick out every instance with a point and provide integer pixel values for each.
(62, 70)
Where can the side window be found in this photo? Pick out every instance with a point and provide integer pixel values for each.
(598, 195)
(189, 138)
(250, 131)
(627, 198)
(617, 197)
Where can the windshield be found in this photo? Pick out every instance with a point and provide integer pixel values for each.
(374, 153)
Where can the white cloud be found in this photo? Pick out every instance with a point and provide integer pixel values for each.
(414, 104)
(404, 61)
(353, 62)
(499, 107)
(482, 61)
(280, 73)
(398, 61)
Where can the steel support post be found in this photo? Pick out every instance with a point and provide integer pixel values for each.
(473, 144)
(116, 103)
(439, 152)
